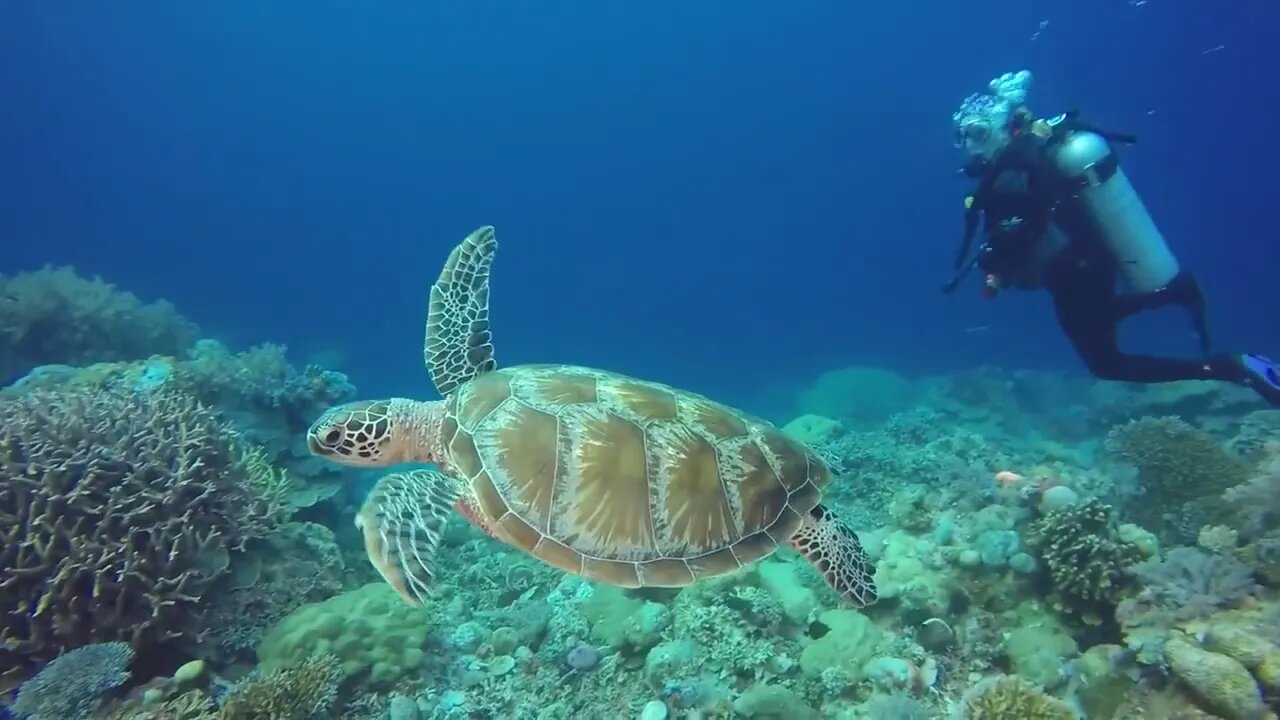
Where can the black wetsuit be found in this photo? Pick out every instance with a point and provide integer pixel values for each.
(1017, 200)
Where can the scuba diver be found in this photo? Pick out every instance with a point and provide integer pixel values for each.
(1058, 212)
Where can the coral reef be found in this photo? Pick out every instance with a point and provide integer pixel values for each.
(1004, 697)
(307, 690)
(1185, 584)
(53, 315)
(119, 509)
(268, 401)
(1184, 471)
(376, 638)
(298, 564)
(857, 395)
(1221, 683)
(302, 691)
(1257, 503)
(1013, 539)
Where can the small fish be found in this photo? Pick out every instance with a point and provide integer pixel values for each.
(977, 328)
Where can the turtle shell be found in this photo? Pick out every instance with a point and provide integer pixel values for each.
(628, 482)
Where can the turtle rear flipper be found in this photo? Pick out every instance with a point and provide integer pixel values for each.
(402, 520)
(837, 553)
(458, 344)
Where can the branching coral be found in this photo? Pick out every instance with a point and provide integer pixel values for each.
(118, 510)
(1183, 470)
(299, 692)
(1085, 556)
(55, 316)
(1012, 697)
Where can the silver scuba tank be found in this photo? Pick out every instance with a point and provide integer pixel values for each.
(1117, 213)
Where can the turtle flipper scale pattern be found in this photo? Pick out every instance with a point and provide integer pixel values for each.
(458, 344)
(834, 549)
(402, 520)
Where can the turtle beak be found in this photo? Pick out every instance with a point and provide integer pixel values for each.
(314, 445)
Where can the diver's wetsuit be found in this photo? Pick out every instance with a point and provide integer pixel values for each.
(1082, 286)
(1018, 200)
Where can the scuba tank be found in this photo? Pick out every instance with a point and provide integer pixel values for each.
(1084, 157)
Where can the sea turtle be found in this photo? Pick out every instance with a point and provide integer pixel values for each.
(616, 479)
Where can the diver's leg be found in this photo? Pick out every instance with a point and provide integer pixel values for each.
(1087, 313)
(1183, 290)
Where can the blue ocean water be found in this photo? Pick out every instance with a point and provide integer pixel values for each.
(731, 197)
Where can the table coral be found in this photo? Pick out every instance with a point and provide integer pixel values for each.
(118, 510)
(72, 685)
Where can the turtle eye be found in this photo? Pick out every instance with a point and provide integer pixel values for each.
(333, 436)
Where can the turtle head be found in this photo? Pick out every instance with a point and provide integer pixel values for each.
(374, 433)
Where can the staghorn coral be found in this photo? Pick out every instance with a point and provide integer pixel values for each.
(1085, 556)
(1183, 471)
(70, 687)
(53, 315)
(118, 510)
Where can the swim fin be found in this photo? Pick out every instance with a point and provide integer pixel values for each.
(1263, 375)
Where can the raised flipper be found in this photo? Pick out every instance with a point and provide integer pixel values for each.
(458, 345)
(402, 520)
(837, 553)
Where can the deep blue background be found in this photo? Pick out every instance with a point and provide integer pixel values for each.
(727, 196)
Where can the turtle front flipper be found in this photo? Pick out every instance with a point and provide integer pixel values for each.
(458, 345)
(836, 551)
(402, 520)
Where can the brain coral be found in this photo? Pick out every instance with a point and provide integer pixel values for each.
(118, 509)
